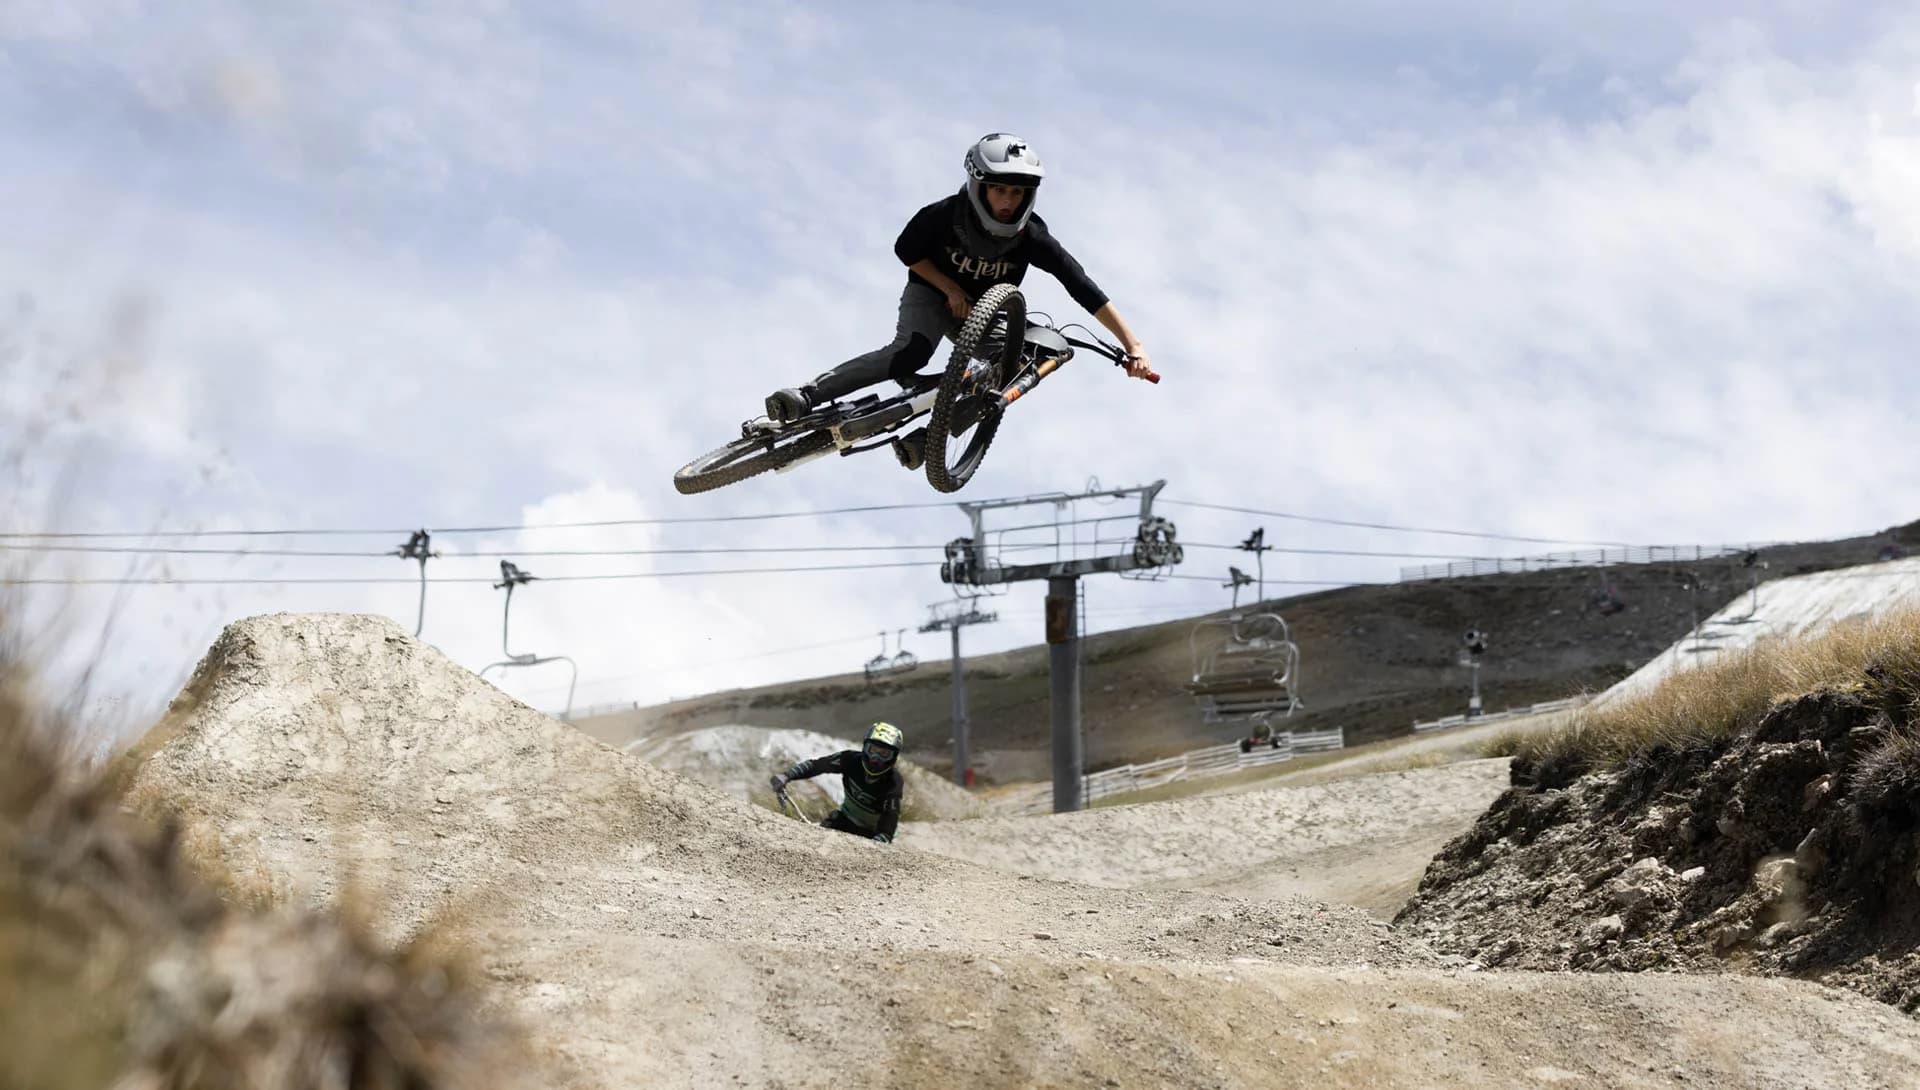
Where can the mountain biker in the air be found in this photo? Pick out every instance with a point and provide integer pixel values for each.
(954, 250)
(870, 805)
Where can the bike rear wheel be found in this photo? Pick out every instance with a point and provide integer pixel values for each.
(745, 457)
(953, 455)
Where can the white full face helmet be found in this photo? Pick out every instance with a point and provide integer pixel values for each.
(1002, 159)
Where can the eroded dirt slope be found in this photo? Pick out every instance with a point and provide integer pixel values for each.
(656, 932)
(1783, 851)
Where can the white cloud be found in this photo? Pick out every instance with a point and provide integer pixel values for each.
(428, 268)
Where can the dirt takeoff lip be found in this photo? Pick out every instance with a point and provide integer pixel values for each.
(626, 912)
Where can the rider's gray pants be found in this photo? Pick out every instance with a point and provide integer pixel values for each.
(924, 319)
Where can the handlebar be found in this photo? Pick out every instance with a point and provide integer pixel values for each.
(1113, 352)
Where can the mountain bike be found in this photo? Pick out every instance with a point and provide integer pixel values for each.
(999, 355)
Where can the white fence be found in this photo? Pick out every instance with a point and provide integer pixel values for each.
(1210, 761)
(592, 710)
(1582, 558)
(1504, 713)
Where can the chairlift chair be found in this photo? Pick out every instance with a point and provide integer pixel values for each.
(880, 663)
(1244, 665)
(904, 660)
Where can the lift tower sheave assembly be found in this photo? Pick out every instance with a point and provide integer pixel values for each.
(1135, 544)
(951, 616)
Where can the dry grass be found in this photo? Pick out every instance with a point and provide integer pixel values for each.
(1878, 658)
(1414, 762)
(135, 958)
(1507, 742)
(1888, 778)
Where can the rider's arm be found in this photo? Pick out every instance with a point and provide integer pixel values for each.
(890, 812)
(814, 766)
(931, 273)
(1117, 325)
(1049, 256)
(920, 239)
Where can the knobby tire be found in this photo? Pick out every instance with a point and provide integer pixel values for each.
(1000, 298)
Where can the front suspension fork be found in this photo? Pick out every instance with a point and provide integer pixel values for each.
(1029, 379)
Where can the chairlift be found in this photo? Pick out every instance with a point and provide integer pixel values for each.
(511, 576)
(879, 663)
(1245, 665)
(1235, 580)
(903, 659)
(885, 665)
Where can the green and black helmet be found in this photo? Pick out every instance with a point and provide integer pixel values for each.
(881, 748)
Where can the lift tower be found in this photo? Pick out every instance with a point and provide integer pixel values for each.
(1137, 543)
(952, 616)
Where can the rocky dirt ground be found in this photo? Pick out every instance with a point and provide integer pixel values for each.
(652, 931)
(1773, 853)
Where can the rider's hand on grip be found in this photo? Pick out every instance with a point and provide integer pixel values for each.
(1137, 366)
(779, 783)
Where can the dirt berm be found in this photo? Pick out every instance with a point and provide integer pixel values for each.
(655, 932)
(1788, 849)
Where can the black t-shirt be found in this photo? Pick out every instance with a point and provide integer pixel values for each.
(872, 802)
(941, 232)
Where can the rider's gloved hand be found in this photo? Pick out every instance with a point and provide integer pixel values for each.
(958, 303)
(778, 781)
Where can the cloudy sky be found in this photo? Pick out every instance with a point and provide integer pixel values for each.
(1644, 274)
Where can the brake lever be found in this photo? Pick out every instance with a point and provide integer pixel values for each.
(1121, 357)
(1115, 353)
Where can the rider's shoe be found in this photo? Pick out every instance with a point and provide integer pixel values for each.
(911, 448)
(788, 405)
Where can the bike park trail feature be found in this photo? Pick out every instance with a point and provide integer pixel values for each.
(653, 931)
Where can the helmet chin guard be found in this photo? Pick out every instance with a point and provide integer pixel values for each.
(1002, 159)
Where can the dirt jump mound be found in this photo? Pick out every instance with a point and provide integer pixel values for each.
(652, 931)
(314, 742)
(1789, 848)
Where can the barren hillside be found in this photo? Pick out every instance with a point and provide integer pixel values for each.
(1373, 659)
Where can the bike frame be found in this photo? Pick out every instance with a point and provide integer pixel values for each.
(1037, 361)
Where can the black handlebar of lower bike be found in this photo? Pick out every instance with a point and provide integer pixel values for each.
(1114, 352)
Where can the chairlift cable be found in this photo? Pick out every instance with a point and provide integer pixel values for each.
(718, 550)
(1396, 528)
(331, 581)
(670, 520)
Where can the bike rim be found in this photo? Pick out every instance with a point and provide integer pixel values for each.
(971, 443)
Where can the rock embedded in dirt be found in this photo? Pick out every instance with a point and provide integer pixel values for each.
(1762, 853)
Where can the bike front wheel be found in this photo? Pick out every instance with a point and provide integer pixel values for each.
(959, 433)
